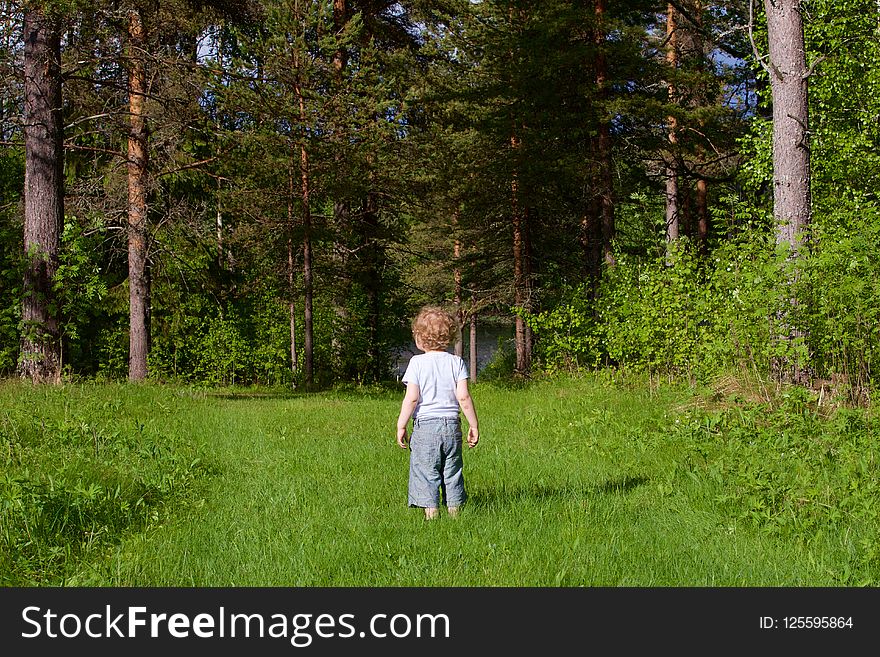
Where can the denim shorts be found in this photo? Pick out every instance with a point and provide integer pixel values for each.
(435, 463)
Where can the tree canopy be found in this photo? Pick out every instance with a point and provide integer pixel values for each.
(267, 191)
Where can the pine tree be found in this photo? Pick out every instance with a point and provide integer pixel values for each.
(40, 357)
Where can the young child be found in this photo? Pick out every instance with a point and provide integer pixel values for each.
(436, 389)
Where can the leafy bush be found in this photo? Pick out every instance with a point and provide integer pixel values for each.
(502, 364)
(699, 315)
(11, 185)
(842, 292)
(245, 342)
(682, 313)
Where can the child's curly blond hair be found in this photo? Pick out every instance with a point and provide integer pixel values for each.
(434, 329)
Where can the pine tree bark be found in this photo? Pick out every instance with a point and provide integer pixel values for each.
(137, 200)
(291, 281)
(40, 357)
(341, 213)
(456, 280)
(603, 141)
(520, 273)
(597, 226)
(791, 154)
(308, 291)
(791, 150)
(308, 287)
(340, 19)
(703, 215)
(702, 194)
(672, 173)
(473, 347)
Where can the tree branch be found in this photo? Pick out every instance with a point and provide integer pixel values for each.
(771, 72)
(185, 167)
(816, 62)
(697, 25)
(86, 118)
(93, 149)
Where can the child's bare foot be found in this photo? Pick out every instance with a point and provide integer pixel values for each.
(431, 513)
(453, 511)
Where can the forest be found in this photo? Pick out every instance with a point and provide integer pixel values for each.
(657, 223)
(264, 192)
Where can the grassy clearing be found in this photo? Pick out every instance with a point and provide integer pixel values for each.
(576, 482)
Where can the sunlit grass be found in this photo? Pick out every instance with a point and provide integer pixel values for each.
(576, 482)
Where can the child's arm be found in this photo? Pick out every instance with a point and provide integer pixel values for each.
(410, 401)
(467, 407)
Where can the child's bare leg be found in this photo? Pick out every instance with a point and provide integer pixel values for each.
(431, 513)
(453, 511)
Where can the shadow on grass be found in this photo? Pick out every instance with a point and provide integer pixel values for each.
(380, 390)
(255, 396)
(532, 494)
(622, 485)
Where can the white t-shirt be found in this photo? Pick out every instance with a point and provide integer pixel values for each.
(437, 374)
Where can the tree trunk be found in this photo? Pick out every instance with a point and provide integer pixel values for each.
(371, 280)
(40, 358)
(308, 321)
(340, 19)
(520, 273)
(597, 225)
(473, 347)
(702, 215)
(291, 277)
(291, 304)
(791, 151)
(672, 210)
(308, 325)
(137, 200)
(341, 215)
(456, 278)
(219, 222)
(343, 284)
(527, 282)
(702, 200)
(603, 142)
(672, 214)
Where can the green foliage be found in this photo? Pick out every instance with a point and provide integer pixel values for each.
(785, 469)
(502, 364)
(677, 314)
(410, 148)
(842, 294)
(76, 480)
(699, 315)
(79, 283)
(243, 344)
(11, 271)
(757, 151)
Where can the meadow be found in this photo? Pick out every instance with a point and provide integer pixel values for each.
(586, 480)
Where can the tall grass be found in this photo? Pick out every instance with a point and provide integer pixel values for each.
(577, 481)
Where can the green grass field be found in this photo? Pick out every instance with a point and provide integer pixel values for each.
(576, 482)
